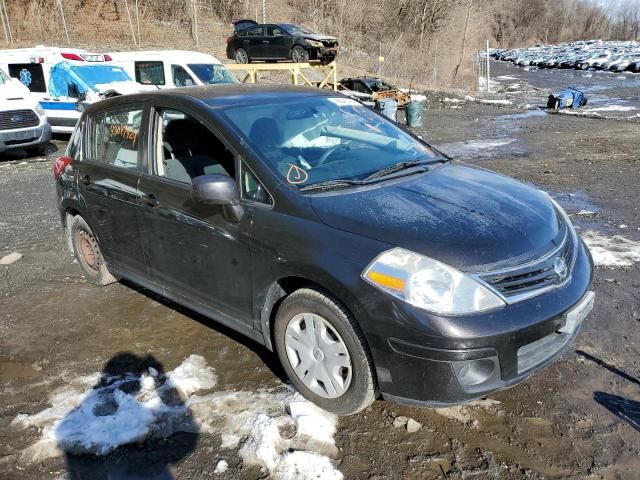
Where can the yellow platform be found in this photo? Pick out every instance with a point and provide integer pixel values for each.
(328, 71)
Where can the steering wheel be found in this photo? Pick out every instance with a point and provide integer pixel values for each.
(336, 148)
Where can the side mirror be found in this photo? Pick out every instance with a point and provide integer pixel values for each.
(218, 189)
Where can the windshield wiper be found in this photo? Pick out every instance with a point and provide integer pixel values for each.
(331, 185)
(397, 167)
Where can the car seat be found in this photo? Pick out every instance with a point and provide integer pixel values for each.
(265, 132)
(188, 144)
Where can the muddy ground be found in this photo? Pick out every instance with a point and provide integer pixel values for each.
(579, 418)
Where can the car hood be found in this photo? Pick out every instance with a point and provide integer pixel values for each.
(13, 89)
(460, 215)
(319, 38)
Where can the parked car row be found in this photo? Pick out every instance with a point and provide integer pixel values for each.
(581, 55)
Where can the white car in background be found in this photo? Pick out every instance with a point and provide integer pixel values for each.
(173, 68)
(23, 123)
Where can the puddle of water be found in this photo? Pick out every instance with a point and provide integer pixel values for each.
(522, 116)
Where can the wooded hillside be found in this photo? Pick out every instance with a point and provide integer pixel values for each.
(425, 42)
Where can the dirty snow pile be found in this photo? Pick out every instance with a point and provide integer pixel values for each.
(615, 251)
(278, 430)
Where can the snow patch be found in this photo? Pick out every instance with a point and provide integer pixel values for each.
(615, 251)
(496, 102)
(221, 467)
(452, 100)
(276, 429)
(506, 77)
(464, 413)
(613, 108)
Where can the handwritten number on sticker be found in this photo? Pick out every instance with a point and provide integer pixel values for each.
(296, 175)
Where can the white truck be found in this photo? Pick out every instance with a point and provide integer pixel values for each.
(173, 68)
(23, 123)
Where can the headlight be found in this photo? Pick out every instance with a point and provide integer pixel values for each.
(429, 284)
(39, 110)
(314, 43)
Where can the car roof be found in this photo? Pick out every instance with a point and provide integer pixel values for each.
(180, 56)
(218, 95)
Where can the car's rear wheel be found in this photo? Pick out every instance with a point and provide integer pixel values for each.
(88, 253)
(299, 54)
(241, 56)
(324, 353)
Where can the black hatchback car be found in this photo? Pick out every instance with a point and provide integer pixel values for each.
(282, 41)
(366, 259)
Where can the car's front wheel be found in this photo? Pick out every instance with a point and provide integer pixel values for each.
(324, 353)
(241, 56)
(88, 253)
(299, 54)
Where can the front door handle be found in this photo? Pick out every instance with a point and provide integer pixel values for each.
(86, 180)
(151, 200)
(265, 41)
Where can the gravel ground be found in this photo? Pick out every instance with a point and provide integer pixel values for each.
(579, 418)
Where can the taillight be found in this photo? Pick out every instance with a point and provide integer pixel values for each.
(229, 39)
(107, 58)
(72, 56)
(60, 164)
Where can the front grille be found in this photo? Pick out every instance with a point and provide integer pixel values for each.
(19, 142)
(18, 119)
(538, 352)
(523, 281)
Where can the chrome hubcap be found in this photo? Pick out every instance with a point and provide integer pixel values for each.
(318, 355)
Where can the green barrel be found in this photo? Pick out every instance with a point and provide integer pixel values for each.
(415, 110)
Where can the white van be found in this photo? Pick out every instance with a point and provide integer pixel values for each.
(59, 77)
(173, 68)
(23, 123)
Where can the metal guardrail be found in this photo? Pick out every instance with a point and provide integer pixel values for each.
(329, 72)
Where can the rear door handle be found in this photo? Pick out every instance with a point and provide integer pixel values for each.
(151, 200)
(265, 41)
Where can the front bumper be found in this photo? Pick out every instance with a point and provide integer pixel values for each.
(24, 137)
(420, 357)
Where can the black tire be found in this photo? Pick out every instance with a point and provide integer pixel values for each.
(88, 254)
(299, 54)
(241, 56)
(362, 390)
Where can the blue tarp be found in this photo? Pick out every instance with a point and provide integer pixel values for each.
(66, 78)
(567, 98)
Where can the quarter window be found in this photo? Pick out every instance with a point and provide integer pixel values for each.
(115, 138)
(150, 73)
(252, 188)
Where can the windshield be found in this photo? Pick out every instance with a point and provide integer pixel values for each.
(295, 30)
(94, 75)
(211, 73)
(318, 139)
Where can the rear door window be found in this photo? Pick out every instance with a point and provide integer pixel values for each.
(114, 137)
(30, 74)
(150, 73)
(256, 32)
